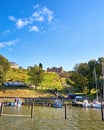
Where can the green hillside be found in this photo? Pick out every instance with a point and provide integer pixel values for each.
(50, 80)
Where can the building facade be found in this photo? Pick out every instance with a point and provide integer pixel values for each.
(55, 69)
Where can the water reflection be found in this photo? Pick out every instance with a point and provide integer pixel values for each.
(51, 119)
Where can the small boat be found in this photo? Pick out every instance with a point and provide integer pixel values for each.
(57, 104)
(17, 103)
(86, 104)
(96, 104)
(76, 103)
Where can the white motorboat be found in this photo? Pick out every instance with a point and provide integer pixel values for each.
(86, 104)
(96, 104)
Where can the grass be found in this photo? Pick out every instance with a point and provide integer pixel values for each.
(18, 92)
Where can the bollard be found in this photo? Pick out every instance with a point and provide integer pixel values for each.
(49, 104)
(102, 111)
(1, 109)
(65, 111)
(32, 110)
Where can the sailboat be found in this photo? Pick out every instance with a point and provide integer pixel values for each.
(96, 103)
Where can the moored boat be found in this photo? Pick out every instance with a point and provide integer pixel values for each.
(86, 104)
(96, 104)
(57, 103)
(16, 103)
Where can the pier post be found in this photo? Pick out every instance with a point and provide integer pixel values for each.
(102, 111)
(32, 110)
(1, 109)
(65, 111)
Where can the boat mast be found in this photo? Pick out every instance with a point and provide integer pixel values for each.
(96, 83)
(103, 77)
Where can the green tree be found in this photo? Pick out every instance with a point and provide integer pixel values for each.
(4, 63)
(1, 75)
(40, 65)
(80, 81)
(83, 69)
(36, 75)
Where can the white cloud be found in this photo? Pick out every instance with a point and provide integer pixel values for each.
(39, 15)
(36, 14)
(34, 28)
(12, 18)
(49, 14)
(40, 19)
(8, 43)
(36, 6)
(20, 23)
(43, 12)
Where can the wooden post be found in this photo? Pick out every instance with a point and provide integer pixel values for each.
(32, 110)
(49, 104)
(65, 111)
(102, 111)
(1, 109)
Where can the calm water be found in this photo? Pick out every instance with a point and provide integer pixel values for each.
(51, 119)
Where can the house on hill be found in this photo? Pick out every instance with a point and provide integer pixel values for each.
(13, 65)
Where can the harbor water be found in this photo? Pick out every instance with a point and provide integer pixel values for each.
(48, 118)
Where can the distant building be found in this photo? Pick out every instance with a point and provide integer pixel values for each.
(55, 69)
(29, 67)
(13, 65)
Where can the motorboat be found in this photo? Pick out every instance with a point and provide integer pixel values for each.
(86, 104)
(96, 104)
(16, 103)
(57, 103)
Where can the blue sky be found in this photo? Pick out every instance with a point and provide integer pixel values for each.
(52, 32)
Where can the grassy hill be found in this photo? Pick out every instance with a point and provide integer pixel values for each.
(51, 81)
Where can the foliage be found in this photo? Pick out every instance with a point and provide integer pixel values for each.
(1, 75)
(35, 75)
(40, 66)
(4, 66)
(83, 75)
(79, 80)
(4, 63)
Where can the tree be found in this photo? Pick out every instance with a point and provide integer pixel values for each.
(80, 81)
(1, 75)
(4, 63)
(83, 69)
(40, 65)
(36, 75)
